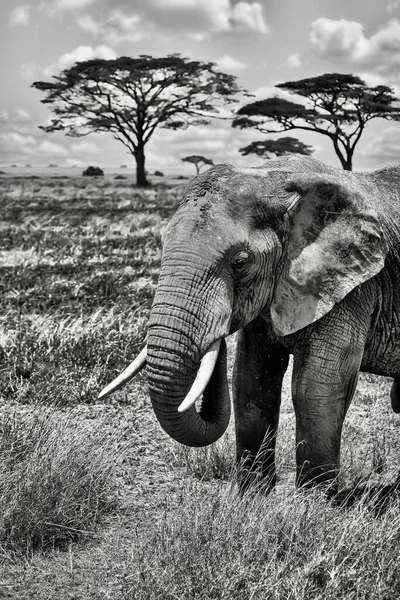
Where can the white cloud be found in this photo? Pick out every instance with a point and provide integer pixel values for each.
(87, 23)
(179, 4)
(270, 91)
(230, 64)
(55, 7)
(13, 140)
(50, 150)
(117, 28)
(293, 61)
(84, 147)
(81, 53)
(76, 162)
(26, 144)
(19, 116)
(346, 43)
(195, 19)
(219, 142)
(20, 15)
(248, 17)
(337, 37)
(383, 146)
(22, 116)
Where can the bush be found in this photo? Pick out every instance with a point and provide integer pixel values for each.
(120, 177)
(93, 172)
(158, 173)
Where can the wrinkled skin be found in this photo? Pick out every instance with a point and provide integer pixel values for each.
(303, 259)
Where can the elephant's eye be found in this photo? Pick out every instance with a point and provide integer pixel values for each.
(240, 260)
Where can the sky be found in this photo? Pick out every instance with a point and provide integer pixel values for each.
(262, 43)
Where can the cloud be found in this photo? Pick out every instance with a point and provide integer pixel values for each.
(19, 116)
(12, 140)
(382, 146)
(392, 5)
(56, 7)
(84, 147)
(50, 150)
(20, 15)
(81, 53)
(293, 61)
(16, 145)
(248, 17)
(195, 19)
(117, 28)
(219, 142)
(230, 64)
(346, 43)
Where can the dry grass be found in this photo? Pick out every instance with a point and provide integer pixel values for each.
(295, 546)
(56, 481)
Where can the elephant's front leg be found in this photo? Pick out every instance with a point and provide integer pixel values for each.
(257, 382)
(325, 373)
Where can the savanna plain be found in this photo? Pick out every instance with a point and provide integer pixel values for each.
(96, 502)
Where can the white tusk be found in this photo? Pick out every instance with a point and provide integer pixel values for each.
(203, 376)
(126, 375)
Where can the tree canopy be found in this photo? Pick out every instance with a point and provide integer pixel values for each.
(131, 97)
(280, 147)
(198, 161)
(338, 106)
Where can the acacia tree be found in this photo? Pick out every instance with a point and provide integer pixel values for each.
(131, 97)
(198, 161)
(338, 106)
(280, 147)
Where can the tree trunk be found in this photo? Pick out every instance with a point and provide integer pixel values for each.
(348, 163)
(141, 179)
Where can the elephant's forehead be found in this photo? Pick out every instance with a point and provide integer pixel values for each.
(205, 219)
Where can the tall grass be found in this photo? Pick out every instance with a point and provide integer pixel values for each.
(56, 482)
(296, 546)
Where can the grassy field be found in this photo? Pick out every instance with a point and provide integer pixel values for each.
(95, 500)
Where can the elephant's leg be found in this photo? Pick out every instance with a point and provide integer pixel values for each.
(395, 395)
(257, 382)
(325, 373)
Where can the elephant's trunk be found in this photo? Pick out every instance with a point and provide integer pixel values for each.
(168, 389)
(180, 358)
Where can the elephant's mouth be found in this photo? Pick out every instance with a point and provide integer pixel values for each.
(204, 374)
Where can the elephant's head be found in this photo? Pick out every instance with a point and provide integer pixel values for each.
(247, 242)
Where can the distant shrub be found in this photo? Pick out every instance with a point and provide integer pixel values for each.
(182, 177)
(13, 166)
(93, 172)
(53, 166)
(28, 166)
(158, 173)
(123, 167)
(120, 177)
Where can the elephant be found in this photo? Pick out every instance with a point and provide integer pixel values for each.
(300, 259)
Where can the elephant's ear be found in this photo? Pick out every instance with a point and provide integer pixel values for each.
(334, 243)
